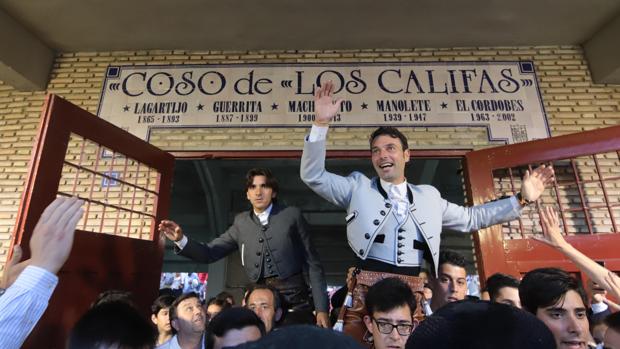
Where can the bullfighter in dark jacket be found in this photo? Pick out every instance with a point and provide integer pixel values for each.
(274, 242)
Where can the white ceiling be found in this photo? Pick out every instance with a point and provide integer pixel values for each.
(89, 25)
(98, 25)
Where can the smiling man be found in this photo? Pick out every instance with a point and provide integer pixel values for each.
(559, 300)
(393, 225)
(275, 245)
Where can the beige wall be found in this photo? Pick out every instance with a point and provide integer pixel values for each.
(573, 103)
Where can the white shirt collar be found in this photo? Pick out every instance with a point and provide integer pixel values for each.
(263, 217)
(400, 188)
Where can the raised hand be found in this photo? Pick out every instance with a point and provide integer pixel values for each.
(325, 106)
(552, 232)
(534, 183)
(171, 230)
(52, 238)
(606, 279)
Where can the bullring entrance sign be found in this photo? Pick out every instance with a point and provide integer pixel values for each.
(502, 97)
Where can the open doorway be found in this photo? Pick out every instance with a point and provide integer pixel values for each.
(208, 193)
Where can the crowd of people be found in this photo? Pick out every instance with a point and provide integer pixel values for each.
(404, 291)
(179, 283)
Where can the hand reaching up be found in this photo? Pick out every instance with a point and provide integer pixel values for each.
(52, 238)
(534, 183)
(325, 106)
(551, 224)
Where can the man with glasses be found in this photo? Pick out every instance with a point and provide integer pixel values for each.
(390, 304)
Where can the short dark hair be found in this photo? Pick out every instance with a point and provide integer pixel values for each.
(181, 298)
(498, 281)
(219, 302)
(113, 296)
(231, 319)
(613, 321)
(112, 323)
(388, 294)
(389, 131)
(161, 302)
(451, 257)
(222, 303)
(173, 314)
(226, 295)
(270, 179)
(276, 294)
(544, 287)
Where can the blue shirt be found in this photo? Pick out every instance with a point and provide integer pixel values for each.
(23, 304)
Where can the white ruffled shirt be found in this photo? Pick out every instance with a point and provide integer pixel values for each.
(398, 195)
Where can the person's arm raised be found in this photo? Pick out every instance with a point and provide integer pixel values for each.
(553, 237)
(325, 106)
(52, 238)
(534, 183)
(26, 298)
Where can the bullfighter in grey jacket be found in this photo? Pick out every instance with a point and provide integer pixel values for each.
(393, 225)
(274, 242)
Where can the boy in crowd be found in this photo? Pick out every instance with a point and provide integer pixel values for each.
(504, 288)
(450, 285)
(160, 316)
(559, 300)
(390, 304)
(234, 326)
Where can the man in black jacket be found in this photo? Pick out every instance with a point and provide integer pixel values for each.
(274, 242)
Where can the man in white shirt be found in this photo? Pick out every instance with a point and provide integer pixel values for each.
(393, 225)
(26, 298)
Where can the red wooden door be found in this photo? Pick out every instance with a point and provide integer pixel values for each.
(586, 193)
(125, 183)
